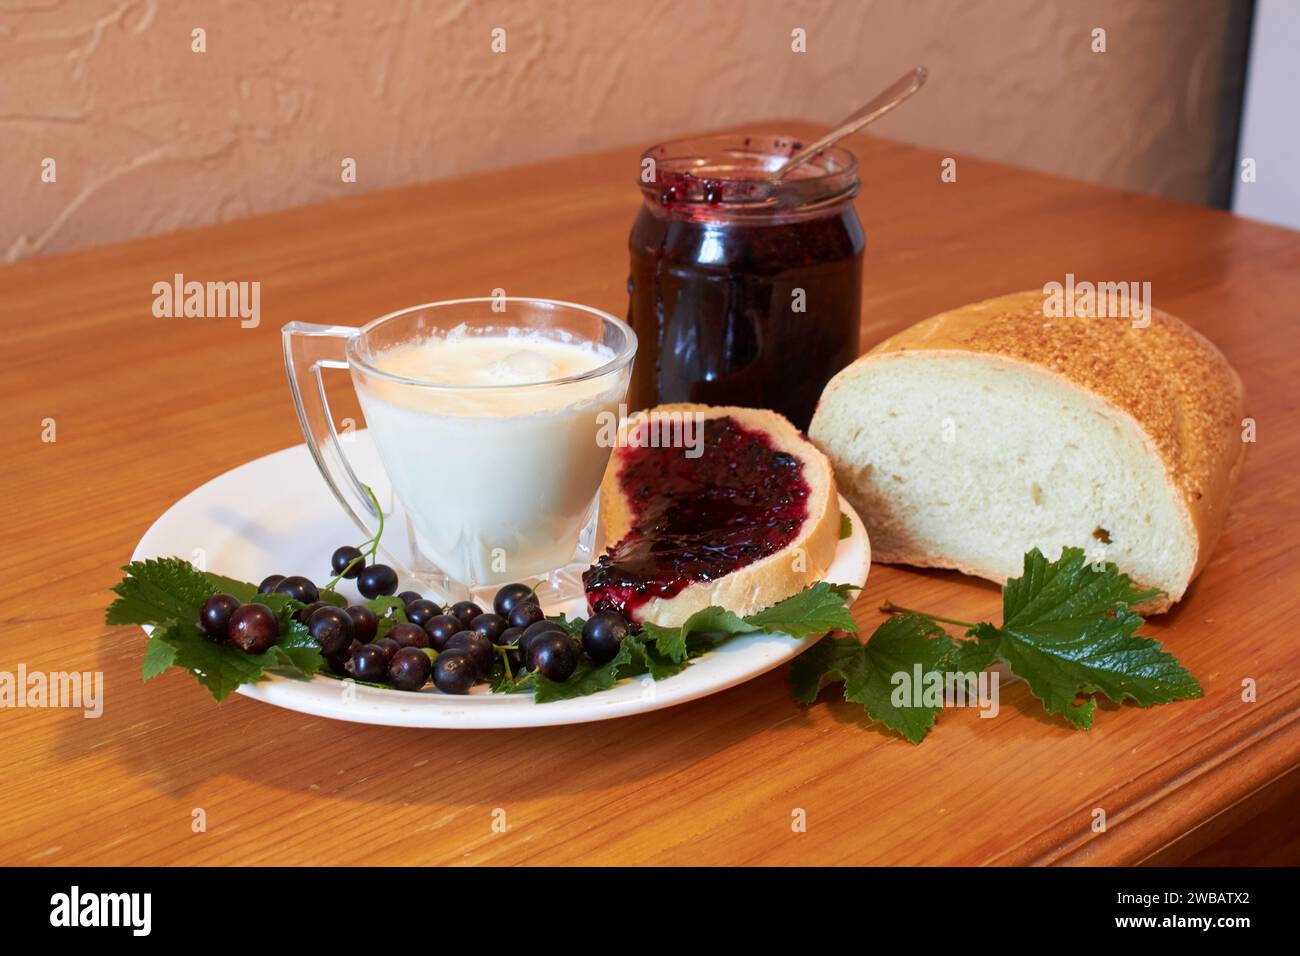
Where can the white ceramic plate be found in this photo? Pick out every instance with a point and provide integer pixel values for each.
(276, 515)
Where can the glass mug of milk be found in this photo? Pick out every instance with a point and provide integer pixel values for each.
(490, 418)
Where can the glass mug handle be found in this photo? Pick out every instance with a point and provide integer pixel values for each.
(308, 348)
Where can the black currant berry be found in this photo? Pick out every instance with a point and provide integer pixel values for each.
(554, 656)
(331, 628)
(464, 611)
(510, 641)
(454, 672)
(409, 669)
(478, 647)
(365, 623)
(369, 663)
(490, 625)
(378, 580)
(269, 583)
(298, 588)
(421, 611)
(440, 628)
(389, 646)
(344, 556)
(409, 596)
(603, 635)
(214, 616)
(509, 596)
(306, 611)
(409, 635)
(534, 631)
(339, 665)
(253, 629)
(526, 613)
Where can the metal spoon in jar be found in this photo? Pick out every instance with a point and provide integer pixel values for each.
(889, 98)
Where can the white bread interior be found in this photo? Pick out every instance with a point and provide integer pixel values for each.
(981, 433)
(766, 581)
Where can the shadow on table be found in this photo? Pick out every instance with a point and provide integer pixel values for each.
(173, 736)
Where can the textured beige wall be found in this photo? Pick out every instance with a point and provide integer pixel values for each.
(149, 136)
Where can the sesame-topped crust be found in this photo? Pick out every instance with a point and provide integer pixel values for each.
(1170, 379)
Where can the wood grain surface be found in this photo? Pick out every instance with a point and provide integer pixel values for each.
(146, 409)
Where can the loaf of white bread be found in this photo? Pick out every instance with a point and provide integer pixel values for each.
(980, 433)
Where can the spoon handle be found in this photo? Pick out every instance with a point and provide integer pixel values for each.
(878, 106)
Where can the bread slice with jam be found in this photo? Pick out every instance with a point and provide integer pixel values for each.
(704, 506)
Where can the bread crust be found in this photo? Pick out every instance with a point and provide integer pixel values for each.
(1172, 382)
(768, 580)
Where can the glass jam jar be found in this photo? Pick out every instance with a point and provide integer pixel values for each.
(744, 290)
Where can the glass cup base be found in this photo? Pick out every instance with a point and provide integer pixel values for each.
(556, 587)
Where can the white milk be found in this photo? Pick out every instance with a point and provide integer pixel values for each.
(499, 481)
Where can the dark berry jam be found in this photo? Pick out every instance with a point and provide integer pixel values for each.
(697, 519)
(743, 291)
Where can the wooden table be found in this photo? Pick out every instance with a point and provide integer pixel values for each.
(147, 409)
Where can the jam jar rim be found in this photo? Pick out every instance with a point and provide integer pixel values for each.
(727, 197)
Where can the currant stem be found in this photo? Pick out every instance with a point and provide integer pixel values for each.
(373, 542)
(889, 607)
